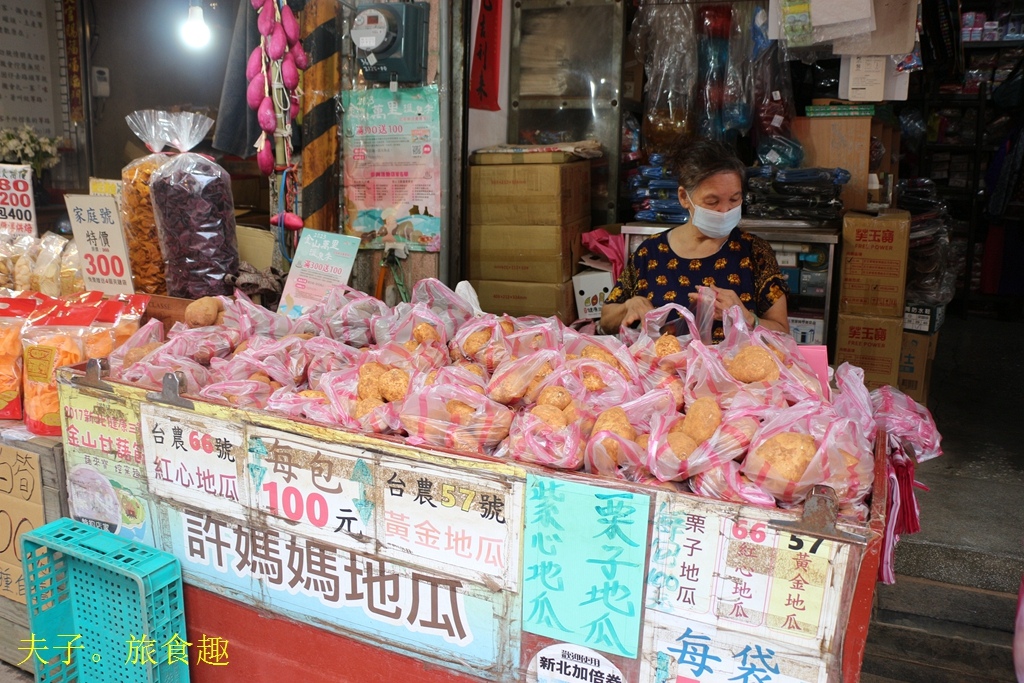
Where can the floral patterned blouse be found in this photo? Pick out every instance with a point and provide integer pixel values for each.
(745, 264)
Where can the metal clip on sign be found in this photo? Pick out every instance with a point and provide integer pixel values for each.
(174, 386)
(821, 509)
(95, 370)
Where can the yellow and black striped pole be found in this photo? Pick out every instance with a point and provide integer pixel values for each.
(321, 82)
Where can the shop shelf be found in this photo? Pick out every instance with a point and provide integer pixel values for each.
(113, 593)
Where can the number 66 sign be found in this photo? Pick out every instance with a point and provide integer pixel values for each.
(96, 224)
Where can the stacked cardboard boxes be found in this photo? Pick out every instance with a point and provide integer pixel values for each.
(871, 294)
(525, 225)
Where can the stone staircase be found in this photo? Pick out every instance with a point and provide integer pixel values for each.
(950, 615)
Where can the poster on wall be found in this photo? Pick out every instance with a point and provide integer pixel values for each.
(26, 95)
(393, 167)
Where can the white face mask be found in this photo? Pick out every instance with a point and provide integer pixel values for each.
(715, 224)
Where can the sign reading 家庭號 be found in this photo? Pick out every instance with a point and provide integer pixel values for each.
(96, 224)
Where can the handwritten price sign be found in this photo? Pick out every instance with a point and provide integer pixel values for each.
(96, 223)
(17, 203)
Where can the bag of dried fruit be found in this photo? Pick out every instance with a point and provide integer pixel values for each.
(194, 214)
(137, 205)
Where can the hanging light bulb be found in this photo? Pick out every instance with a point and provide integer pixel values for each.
(194, 32)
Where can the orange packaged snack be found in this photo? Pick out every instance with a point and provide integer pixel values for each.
(137, 206)
(13, 313)
(53, 341)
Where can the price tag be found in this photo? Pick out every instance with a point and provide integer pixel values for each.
(17, 203)
(101, 187)
(96, 223)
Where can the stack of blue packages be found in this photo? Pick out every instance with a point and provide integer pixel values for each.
(654, 193)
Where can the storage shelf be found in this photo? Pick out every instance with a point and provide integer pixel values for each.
(958, 147)
(992, 44)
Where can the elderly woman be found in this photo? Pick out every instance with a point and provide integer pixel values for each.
(708, 250)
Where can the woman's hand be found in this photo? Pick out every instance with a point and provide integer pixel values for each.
(636, 309)
(726, 299)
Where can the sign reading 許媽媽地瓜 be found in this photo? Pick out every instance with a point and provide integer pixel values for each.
(585, 548)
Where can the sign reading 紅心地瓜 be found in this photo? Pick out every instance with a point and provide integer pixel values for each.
(17, 201)
(96, 224)
(194, 459)
(585, 548)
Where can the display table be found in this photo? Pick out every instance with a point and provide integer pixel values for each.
(470, 566)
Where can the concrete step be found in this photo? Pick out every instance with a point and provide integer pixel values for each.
(915, 648)
(948, 602)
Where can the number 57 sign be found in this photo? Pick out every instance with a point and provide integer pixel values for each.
(96, 223)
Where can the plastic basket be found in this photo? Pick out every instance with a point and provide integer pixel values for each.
(87, 582)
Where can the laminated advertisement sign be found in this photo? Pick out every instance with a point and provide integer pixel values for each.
(17, 202)
(393, 167)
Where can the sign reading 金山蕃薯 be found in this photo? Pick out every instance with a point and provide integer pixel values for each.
(96, 224)
(322, 261)
(194, 459)
(17, 201)
(585, 548)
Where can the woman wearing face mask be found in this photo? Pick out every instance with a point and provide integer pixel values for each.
(708, 250)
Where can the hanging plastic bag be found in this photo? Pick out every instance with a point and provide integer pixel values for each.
(194, 214)
(906, 420)
(137, 213)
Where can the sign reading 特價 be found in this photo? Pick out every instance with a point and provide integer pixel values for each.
(96, 224)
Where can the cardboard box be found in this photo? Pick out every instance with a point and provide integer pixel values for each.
(872, 343)
(874, 269)
(527, 298)
(491, 158)
(529, 194)
(924, 318)
(916, 358)
(807, 330)
(592, 287)
(525, 253)
(166, 309)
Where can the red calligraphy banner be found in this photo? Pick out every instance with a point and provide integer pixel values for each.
(73, 51)
(485, 70)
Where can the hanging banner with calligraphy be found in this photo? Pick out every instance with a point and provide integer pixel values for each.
(393, 167)
(485, 71)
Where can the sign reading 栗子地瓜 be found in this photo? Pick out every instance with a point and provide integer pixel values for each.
(585, 548)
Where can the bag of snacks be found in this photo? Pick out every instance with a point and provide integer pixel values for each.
(446, 304)
(240, 393)
(46, 269)
(482, 340)
(457, 418)
(410, 325)
(146, 341)
(297, 404)
(545, 435)
(544, 335)
(594, 385)
(852, 466)
(465, 374)
(368, 398)
(13, 314)
(726, 482)
(52, 341)
(137, 216)
(72, 281)
(621, 434)
(904, 419)
(605, 349)
(853, 400)
(194, 214)
(328, 355)
(786, 458)
(519, 381)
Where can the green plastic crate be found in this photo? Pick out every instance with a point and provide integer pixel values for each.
(84, 581)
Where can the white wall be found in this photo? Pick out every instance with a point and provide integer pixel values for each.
(489, 127)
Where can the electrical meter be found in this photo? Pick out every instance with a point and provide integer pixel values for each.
(391, 41)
